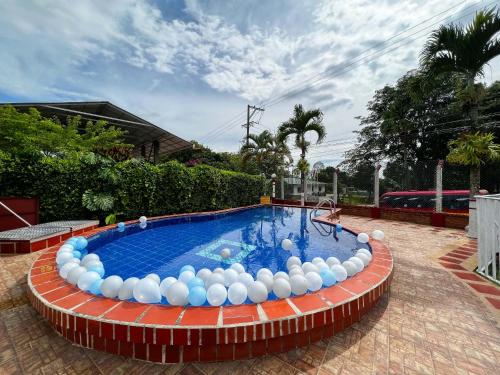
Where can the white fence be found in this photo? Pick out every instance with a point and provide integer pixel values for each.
(488, 220)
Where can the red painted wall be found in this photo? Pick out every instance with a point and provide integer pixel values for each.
(27, 208)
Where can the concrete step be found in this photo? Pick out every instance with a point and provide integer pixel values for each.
(41, 236)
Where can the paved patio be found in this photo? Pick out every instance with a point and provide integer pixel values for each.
(431, 323)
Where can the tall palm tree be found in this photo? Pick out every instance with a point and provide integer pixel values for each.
(464, 52)
(473, 150)
(300, 124)
(269, 153)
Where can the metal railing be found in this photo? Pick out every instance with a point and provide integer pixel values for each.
(488, 245)
(14, 213)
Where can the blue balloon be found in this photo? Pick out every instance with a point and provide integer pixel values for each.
(194, 282)
(187, 268)
(328, 277)
(338, 228)
(121, 226)
(95, 288)
(197, 296)
(84, 252)
(99, 270)
(72, 241)
(77, 254)
(81, 243)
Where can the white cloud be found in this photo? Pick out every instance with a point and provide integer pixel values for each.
(193, 73)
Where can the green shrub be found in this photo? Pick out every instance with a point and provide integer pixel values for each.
(84, 186)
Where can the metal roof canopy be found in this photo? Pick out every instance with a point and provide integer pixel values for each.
(139, 131)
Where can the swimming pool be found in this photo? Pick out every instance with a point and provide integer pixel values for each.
(253, 235)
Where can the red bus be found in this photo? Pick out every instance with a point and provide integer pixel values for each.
(425, 200)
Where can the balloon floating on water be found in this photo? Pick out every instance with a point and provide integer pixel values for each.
(287, 244)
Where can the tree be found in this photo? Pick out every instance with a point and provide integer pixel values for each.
(473, 150)
(269, 153)
(30, 133)
(464, 51)
(300, 124)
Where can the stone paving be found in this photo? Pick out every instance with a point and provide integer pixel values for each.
(430, 323)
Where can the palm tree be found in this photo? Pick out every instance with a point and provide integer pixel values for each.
(464, 52)
(269, 153)
(473, 150)
(299, 125)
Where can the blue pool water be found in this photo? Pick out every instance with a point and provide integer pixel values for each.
(254, 236)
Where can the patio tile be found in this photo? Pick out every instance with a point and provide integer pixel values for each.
(200, 316)
(240, 314)
(96, 306)
(308, 302)
(161, 315)
(277, 309)
(126, 311)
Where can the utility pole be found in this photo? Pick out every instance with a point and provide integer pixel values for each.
(249, 117)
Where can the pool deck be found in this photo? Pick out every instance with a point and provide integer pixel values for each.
(431, 322)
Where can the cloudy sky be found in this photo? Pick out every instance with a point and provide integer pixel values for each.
(192, 66)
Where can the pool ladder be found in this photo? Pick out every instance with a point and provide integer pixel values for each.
(333, 216)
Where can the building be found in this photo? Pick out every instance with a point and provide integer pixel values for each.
(293, 188)
(150, 140)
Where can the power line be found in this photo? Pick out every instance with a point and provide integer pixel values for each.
(272, 102)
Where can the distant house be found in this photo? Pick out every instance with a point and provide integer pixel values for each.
(293, 187)
(150, 140)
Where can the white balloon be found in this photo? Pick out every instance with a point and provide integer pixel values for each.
(154, 277)
(216, 294)
(339, 271)
(230, 276)
(237, 293)
(147, 290)
(363, 238)
(322, 266)
(264, 271)
(238, 267)
(214, 278)
(364, 258)
(287, 244)
(165, 284)
(282, 288)
(317, 260)
(298, 284)
(314, 281)
(111, 286)
(143, 219)
(246, 279)
(68, 266)
(378, 235)
(219, 270)
(350, 268)
(177, 294)
(89, 257)
(74, 274)
(225, 253)
(281, 275)
(203, 274)
(309, 267)
(86, 279)
(63, 251)
(293, 261)
(63, 258)
(366, 252)
(267, 280)
(296, 271)
(186, 276)
(358, 263)
(74, 260)
(257, 292)
(143, 225)
(127, 289)
(332, 260)
(93, 263)
(67, 247)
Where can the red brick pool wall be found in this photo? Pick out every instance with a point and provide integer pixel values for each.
(170, 334)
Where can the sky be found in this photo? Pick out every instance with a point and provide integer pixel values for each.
(191, 67)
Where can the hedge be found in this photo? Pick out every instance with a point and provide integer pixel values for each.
(137, 187)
